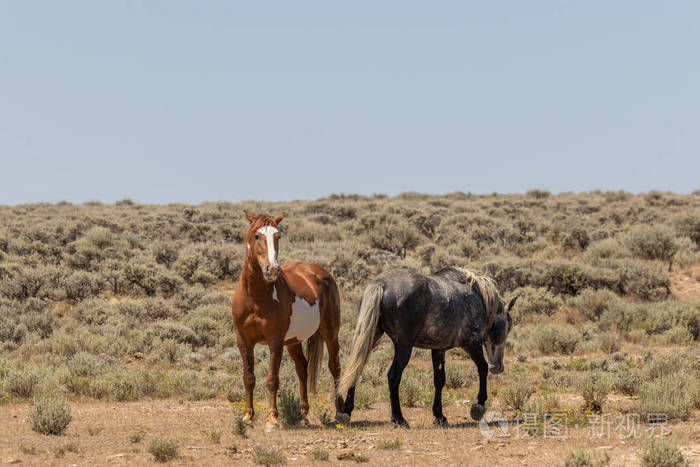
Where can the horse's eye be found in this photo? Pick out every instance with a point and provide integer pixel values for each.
(257, 237)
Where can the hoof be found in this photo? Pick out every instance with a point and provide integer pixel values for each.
(441, 422)
(400, 423)
(477, 412)
(342, 418)
(248, 419)
(305, 422)
(270, 427)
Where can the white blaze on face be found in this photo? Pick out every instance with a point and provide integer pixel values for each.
(269, 233)
(274, 293)
(304, 320)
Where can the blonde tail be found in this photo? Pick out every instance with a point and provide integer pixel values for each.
(363, 340)
(314, 353)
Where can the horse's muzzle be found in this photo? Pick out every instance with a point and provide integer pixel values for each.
(270, 273)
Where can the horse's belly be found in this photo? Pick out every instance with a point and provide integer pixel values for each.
(304, 320)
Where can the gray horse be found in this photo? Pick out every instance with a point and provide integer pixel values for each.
(452, 308)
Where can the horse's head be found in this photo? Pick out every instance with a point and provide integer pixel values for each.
(495, 342)
(262, 243)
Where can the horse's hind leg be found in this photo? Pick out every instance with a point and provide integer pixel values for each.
(331, 339)
(402, 354)
(439, 382)
(477, 354)
(297, 354)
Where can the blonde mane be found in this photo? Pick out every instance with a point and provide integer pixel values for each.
(488, 289)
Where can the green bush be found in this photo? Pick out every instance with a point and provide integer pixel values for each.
(688, 226)
(533, 301)
(674, 395)
(289, 409)
(94, 312)
(21, 383)
(50, 415)
(656, 242)
(163, 449)
(516, 394)
(81, 285)
(594, 387)
(581, 457)
(554, 338)
(593, 303)
(268, 456)
(661, 453)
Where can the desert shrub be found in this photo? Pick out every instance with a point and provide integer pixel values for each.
(21, 383)
(12, 331)
(289, 409)
(142, 275)
(594, 386)
(509, 273)
(592, 303)
(581, 457)
(532, 301)
(365, 396)
(554, 338)
(539, 193)
(542, 403)
(209, 323)
(688, 226)
(21, 283)
(320, 454)
(673, 395)
(411, 390)
(165, 253)
(662, 453)
(163, 449)
(647, 281)
(40, 322)
(455, 375)
(607, 248)
(577, 239)
(93, 312)
(166, 329)
(625, 380)
(568, 277)
(656, 242)
(672, 314)
(240, 426)
(268, 456)
(86, 364)
(81, 285)
(397, 236)
(350, 271)
(609, 341)
(516, 394)
(50, 415)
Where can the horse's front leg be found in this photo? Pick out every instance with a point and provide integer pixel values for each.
(439, 382)
(477, 354)
(273, 381)
(301, 364)
(245, 347)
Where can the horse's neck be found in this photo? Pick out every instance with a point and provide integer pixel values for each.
(252, 278)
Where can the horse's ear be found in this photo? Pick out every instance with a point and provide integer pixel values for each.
(279, 218)
(512, 302)
(249, 216)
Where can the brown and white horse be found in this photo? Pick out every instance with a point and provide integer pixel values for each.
(284, 306)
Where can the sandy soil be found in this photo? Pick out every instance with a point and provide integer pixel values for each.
(460, 444)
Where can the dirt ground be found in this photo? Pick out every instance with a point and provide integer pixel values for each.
(100, 431)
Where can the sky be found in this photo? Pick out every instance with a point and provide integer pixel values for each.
(192, 101)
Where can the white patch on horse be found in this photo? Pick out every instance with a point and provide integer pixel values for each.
(304, 320)
(269, 232)
(274, 293)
